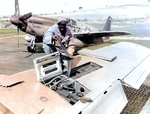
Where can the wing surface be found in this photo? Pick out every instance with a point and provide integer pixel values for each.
(131, 63)
(131, 66)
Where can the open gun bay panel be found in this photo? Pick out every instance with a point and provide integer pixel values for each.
(53, 73)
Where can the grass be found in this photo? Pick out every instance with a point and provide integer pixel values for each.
(9, 32)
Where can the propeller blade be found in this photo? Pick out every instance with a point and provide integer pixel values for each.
(25, 17)
(17, 11)
(7, 25)
(18, 35)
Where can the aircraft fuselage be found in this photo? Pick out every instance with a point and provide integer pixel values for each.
(37, 26)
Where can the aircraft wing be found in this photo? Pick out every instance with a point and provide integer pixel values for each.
(30, 97)
(101, 34)
(122, 62)
(102, 91)
(128, 62)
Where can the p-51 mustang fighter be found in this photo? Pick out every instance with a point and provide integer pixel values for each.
(84, 35)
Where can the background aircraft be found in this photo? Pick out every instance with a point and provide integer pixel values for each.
(37, 26)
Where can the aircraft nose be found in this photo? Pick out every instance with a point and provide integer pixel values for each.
(14, 20)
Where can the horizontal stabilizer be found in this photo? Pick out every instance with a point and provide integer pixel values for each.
(101, 34)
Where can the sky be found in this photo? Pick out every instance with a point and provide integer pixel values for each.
(56, 6)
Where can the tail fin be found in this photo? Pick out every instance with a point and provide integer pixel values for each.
(17, 11)
(107, 26)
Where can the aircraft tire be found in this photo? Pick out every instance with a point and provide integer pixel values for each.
(31, 50)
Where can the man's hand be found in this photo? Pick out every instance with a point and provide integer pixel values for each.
(54, 37)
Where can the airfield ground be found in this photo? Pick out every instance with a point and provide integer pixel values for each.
(15, 58)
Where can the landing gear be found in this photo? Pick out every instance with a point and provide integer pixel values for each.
(31, 49)
(31, 46)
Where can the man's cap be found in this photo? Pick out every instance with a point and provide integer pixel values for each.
(63, 22)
